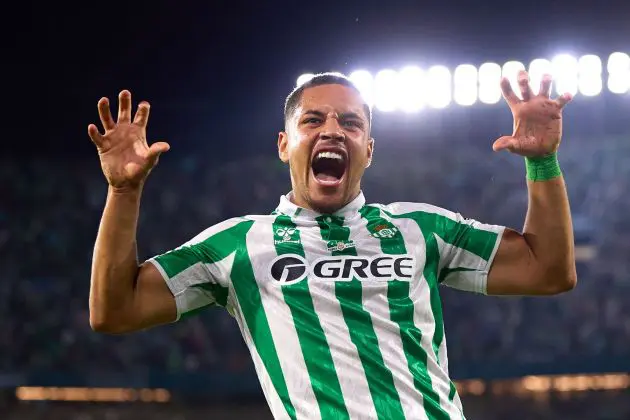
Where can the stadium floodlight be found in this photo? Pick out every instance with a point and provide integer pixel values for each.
(618, 72)
(510, 70)
(386, 90)
(303, 79)
(537, 69)
(412, 89)
(590, 75)
(489, 78)
(364, 81)
(438, 87)
(465, 87)
(565, 74)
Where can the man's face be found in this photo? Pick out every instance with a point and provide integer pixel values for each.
(328, 146)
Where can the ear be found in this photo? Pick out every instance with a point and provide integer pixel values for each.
(283, 146)
(370, 152)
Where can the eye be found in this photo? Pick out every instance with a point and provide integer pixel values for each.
(353, 123)
(312, 120)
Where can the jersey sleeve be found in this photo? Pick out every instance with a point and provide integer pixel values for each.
(198, 272)
(467, 250)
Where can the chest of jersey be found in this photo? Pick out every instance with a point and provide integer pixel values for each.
(332, 251)
(341, 279)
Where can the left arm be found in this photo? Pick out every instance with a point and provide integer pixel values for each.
(541, 260)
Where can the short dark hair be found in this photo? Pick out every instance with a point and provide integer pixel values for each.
(294, 98)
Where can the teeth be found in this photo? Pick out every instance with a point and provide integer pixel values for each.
(329, 155)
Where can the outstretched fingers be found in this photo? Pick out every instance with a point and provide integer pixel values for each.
(545, 86)
(523, 84)
(105, 114)
(508, 93)
(141, 119)
(564, 99)
(155, 150)
(505, 143)
(124, 107)
(96, 137)
(142, 114)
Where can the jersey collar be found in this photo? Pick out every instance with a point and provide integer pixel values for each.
(349, 211)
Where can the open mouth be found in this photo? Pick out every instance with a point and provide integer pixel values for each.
(329, 167)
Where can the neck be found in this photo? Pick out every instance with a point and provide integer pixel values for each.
(301, 200)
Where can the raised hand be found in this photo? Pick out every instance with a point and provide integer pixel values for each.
(126, 158)
(537, 118)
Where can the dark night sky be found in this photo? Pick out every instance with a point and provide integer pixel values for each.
(216, 72)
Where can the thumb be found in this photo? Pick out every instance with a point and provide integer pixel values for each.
(503, 143)
(156, 150)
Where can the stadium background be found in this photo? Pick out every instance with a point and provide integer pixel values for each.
(216, 75)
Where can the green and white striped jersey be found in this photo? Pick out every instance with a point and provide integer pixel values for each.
(341, 312)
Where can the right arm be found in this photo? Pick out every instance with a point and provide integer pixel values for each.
(124, 296)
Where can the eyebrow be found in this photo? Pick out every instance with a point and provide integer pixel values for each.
(314, 112)
(344, 115)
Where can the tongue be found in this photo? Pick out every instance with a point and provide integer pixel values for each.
(322, 176)
(328, 171)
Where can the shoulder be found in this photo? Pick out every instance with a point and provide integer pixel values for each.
(412, 209)
(449, 225)
(235, 228)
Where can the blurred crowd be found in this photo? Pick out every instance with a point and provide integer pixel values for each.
(580, 406)
(50, 210)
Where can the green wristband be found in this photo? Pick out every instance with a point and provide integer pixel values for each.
(543, 168)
